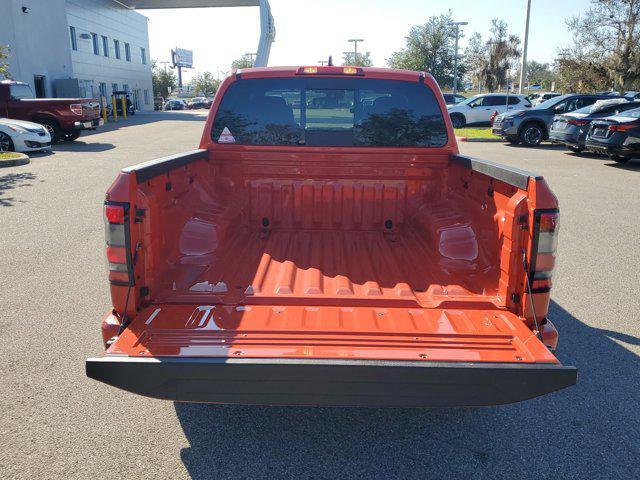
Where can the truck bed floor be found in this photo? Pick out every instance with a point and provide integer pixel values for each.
(325, 266)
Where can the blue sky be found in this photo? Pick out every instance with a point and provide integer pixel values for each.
(310, 30)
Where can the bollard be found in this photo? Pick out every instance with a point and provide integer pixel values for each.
(104, 113)
(124, 108)
(115, 110)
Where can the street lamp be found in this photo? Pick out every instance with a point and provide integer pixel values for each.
(455, 60)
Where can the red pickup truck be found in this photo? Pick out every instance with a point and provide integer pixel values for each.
(328, 245)
(65, 118)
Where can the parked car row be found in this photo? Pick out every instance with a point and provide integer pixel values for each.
(616, 135)
(184, 104)
(598, 123)
(571, 129)
(531, 126)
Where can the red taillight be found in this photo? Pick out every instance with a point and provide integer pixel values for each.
(114, 213)
(76, 108)
(580, 123)
(116, 254)
(623, 128)
(544, 249)
(116, 232)
(119, 277)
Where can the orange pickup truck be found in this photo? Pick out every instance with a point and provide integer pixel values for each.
(328, 245)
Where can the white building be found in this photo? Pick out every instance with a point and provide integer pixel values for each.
(85, 48)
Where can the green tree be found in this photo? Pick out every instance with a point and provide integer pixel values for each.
(430, 47)
(244, 61)
(503, 52)
(540, 73)
(607, 40)
(164, 81)
(357, 60)
(205, 84)
(577, 71)
(4, 65)
(476, 58)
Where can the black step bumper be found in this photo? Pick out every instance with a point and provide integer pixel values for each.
(330, 382)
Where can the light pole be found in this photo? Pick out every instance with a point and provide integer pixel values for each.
(322, 62)
(523, 66)
(455, 59)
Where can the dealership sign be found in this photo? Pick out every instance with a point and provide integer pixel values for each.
(182, 58)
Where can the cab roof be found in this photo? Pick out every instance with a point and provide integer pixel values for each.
(371, 72)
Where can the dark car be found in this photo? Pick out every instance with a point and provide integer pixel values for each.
(453, 98)
(198, 103)
(531, 126)
(617, 136)
(571, 129)
(174, 105)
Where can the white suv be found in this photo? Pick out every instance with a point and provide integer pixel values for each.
(479, 108)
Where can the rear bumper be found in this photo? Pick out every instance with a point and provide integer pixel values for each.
(570, 139)
(607, 148)
(330, 382)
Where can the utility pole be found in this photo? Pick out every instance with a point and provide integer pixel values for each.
(355, 47)
(455, 59)
(523, 66)
(251, 56)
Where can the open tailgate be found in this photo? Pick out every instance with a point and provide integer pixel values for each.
(298, 355)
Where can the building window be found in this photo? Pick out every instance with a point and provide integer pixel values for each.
(103, 89)
(127, 52)
(125, 87)
(146, 97)
(143, 55)
(116, 47)
(105, 46)
(94, 38)
(114, 87)
(74, 40)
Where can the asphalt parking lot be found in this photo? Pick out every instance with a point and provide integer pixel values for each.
(56, 423)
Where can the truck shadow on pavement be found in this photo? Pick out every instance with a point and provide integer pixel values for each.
(80, 146)
(633, 164)
(542, 146)
(590, 430)
(11, 181)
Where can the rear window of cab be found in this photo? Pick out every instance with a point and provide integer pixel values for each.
(342, 112)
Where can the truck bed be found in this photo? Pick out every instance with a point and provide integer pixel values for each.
(322, 267)
(327, 245)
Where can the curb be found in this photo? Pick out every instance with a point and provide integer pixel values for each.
(22, 159)
(472, 139)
